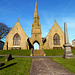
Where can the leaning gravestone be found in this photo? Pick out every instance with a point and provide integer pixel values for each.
(67, 47)
(2, 64)
(9, 57)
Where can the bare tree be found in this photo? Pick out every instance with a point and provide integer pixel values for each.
(4, 30)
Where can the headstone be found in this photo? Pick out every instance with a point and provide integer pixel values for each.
(9, 57)
(2, 64)
(67, 47)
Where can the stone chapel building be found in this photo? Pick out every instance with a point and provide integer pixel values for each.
(17, 38)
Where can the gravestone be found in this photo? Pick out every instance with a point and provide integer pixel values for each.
(2, 64)
(67, 47)
(9, 57)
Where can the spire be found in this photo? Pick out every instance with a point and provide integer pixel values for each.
(36, 10)
(36, 23)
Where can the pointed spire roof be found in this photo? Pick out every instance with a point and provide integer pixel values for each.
(36, 10)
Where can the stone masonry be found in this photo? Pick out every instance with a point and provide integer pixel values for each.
(17, 38)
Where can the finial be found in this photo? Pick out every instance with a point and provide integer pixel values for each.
(55, 20)
(17, 19)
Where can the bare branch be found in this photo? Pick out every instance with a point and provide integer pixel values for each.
(4, 30)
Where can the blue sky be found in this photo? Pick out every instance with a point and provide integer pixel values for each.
(62, 10)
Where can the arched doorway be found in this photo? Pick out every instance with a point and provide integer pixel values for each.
(36, 45)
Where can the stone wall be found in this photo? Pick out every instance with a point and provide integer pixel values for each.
(49, 38)
(9, 38)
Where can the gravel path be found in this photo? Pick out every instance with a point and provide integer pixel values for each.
(46, 66)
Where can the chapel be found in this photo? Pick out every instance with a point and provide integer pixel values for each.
(17, 38)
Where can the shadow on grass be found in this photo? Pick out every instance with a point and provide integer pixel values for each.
(11, 59)
(1, 56)
(8, 66)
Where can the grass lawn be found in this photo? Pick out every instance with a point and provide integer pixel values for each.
(55, 52)
(67, 63)
(73, 51)
(16, 66)
(49, 52)
(16, 52)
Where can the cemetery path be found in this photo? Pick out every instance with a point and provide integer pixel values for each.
(46, 66)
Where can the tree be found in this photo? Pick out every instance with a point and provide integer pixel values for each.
(4, 30)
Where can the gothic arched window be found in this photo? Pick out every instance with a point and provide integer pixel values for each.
(16, 39)
(56, 39)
